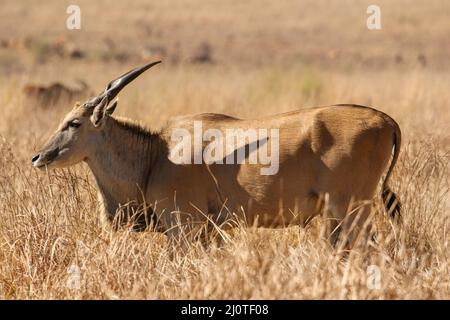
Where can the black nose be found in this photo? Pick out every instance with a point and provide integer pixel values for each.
(35, 158)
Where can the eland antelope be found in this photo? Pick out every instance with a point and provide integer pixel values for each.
(330, 158)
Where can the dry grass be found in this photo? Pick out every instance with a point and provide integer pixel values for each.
(49, 222)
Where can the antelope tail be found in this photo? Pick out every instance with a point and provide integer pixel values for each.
(390, 198)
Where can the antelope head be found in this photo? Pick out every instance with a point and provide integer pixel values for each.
(70, 142)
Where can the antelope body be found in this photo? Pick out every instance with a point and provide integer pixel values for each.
(334, 153)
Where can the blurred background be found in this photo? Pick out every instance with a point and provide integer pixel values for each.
(330, 34)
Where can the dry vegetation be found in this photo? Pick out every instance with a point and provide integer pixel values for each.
(264, 58)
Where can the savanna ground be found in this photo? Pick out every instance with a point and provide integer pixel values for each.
(243, 58)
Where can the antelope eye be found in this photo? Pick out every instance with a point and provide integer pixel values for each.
(74, 124)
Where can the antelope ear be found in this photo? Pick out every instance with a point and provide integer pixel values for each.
(98, 113)
(110, 110)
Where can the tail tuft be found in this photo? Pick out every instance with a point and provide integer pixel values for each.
(391, 203)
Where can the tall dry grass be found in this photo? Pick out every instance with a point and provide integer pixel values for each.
(49, 222)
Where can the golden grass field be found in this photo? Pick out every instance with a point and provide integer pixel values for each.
(247, 59)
